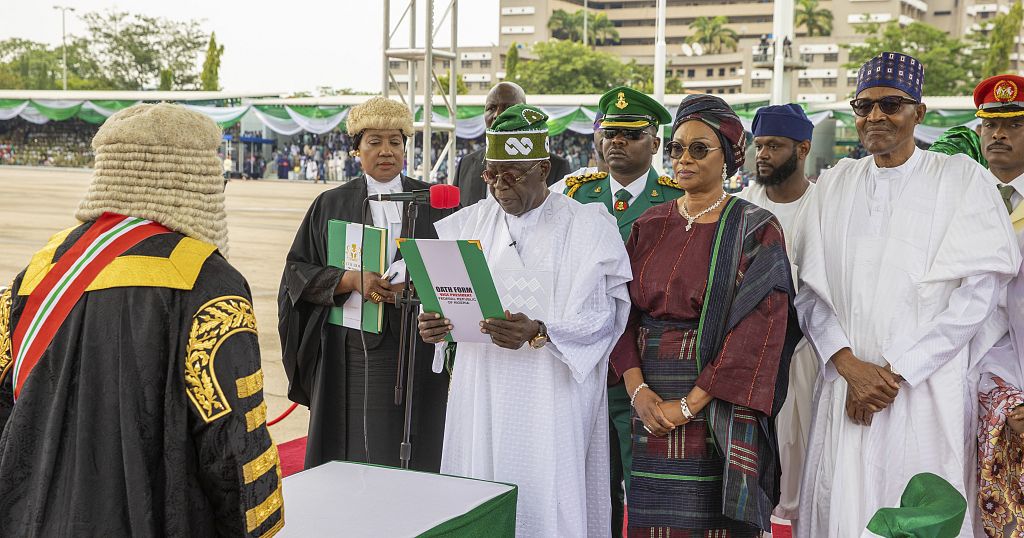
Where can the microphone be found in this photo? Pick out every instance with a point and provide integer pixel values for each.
(438, 196)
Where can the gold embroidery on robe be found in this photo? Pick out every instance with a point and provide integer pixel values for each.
(250, 384)
(256, 417)
(274, 530)
(254, 517)
(215, 322)
(259, 466)
(5, 331)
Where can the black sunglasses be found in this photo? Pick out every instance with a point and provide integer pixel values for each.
(698, 150)
(889, 105)
(628, 134)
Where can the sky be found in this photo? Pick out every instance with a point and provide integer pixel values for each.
(278, 47)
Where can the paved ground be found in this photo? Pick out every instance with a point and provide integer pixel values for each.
(262, 218)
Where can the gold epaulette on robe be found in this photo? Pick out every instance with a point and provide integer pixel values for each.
(177, 271)
(5, 332)
(666, 181)
(573, 183)
(215, 322)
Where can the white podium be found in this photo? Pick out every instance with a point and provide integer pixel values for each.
(353, 499)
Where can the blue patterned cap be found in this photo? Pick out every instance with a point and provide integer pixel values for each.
(893, 70)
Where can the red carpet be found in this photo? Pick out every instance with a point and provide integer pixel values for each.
(293, 455)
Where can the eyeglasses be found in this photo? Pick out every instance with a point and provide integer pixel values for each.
(508, 178)
(698, 150)
(889, 105)
(628, 134)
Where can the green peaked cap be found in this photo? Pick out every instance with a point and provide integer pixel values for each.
(929, 508)
(625, 108)
(520, 133)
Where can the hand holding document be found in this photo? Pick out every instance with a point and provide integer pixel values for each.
(454, 281)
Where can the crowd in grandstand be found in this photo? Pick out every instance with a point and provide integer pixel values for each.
(305, 156)
(65, 143)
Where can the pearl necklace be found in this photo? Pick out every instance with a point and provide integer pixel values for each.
(690, 220)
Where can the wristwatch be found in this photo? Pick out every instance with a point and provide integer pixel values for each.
(538, 341)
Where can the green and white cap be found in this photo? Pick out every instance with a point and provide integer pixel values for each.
(520, 133)
(929, 508)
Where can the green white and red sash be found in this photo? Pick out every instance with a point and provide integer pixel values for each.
(59, 291)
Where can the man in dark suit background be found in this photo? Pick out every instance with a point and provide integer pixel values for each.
(472, 188)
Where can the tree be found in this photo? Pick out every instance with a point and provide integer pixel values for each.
(211, 65)
(996, 45)
(948, 62)
(713, 34)
(817, 21)
(134, 49)
(641, 78)
(570, 67)
(563, 25)
(511, 60)
(460, 85)
(324, 91)
(29, 65)
(600, 29)
(166, 80)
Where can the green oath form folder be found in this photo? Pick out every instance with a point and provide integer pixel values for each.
(346, 248)
(452, 278)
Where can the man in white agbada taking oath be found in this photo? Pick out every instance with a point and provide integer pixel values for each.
(907, 253)
(530, 408)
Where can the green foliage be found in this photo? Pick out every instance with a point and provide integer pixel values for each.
(817, 20)
(325, 91)
(134, 49)
(512, 60)
(460, 85)
(565, 25)
(949, 66)
(28, 65)
(996, 45)
(570, 67)
(713, 35)
(166, 80)
(641, 78)
(119, 51)
(211, 65)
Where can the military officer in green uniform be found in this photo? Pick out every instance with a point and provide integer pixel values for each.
(630, 137)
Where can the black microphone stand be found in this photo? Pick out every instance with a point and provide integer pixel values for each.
(409, 304)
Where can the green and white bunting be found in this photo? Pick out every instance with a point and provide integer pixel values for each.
(352, 249)
(452, 279)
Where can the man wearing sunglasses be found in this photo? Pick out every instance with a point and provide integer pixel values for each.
(906, 255)
(629, 137)
(529, 408)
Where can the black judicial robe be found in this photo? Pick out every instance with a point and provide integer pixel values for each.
(145, 415)
(325, 362)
